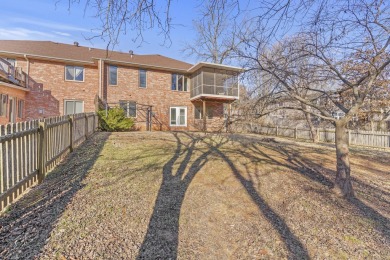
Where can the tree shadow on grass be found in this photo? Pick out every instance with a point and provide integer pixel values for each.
(296, 250)
(25, 230)
(297, 162)
(161, 240)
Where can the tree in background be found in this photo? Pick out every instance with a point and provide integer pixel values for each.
(335, 38)
(333, 35)
(215, 32)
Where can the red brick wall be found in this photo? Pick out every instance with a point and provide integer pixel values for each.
(50, 90)
(17, 94)
(158, 93)
(48, 94)
(217, 122)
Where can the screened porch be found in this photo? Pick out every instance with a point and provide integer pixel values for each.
(214, 82)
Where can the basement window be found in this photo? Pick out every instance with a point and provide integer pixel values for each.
(178, 116)
(199, 112)
(20, 108)
(130, 107)
(74, 107)
(3, 104)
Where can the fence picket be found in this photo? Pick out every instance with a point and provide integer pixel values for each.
(378, 139)
(28, 152)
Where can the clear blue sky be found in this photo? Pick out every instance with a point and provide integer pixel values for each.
(44, 20)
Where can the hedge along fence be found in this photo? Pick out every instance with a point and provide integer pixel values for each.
(375, 139)
(29, 150)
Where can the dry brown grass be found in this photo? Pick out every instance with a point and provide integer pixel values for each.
(191, 196)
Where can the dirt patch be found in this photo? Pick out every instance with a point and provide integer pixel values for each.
(190, 196)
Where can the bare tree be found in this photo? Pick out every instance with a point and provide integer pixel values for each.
(338, 37)
(120, 17)
(215, 31)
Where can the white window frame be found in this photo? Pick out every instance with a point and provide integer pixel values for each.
(209, 112)
(20, 105)
(73, 100)
(127, 112)
(184, 77)
(109, 75)
(177, 114)
(74, 67)
(139, 78)
(4, 105)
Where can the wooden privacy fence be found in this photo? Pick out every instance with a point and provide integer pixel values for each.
(29, 150)
(356, 137)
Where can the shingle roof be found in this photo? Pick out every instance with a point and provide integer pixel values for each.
(86, 54)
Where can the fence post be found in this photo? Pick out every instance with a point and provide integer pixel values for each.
(86, 126)
(318, 135)
(295, 133)
(42, 151)
(349, 137)
(151, 118)
(94, 123)
(147, 119)
(71, 121)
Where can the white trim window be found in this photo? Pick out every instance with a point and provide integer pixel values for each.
(142, 78)
(74, 73)
(3, 105)
(130, 107)
(178, 116)
(199, 112)
(179, 82)
(112, 75)
(20, 108)
(73, 107)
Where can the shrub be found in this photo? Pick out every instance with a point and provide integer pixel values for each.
(115, 121)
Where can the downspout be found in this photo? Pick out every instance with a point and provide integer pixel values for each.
(28, 70)
(100, 78)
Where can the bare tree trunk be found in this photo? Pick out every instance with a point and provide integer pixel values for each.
(343, 184)
(313, 131)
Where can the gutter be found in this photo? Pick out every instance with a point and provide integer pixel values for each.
(117, 62)
(49, 58)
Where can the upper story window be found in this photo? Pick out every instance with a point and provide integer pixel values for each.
(142, 78)
(113, 75)
(74, 73)
(179, 82)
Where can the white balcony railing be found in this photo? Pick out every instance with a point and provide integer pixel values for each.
(12, 74)
(213, 90)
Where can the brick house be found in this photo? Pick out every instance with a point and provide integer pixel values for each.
(60, 79)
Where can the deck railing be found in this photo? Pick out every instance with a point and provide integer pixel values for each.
(29, 150)
(12, 74)
(214, 90)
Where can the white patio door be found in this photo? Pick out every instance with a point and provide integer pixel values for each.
(178, 116)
